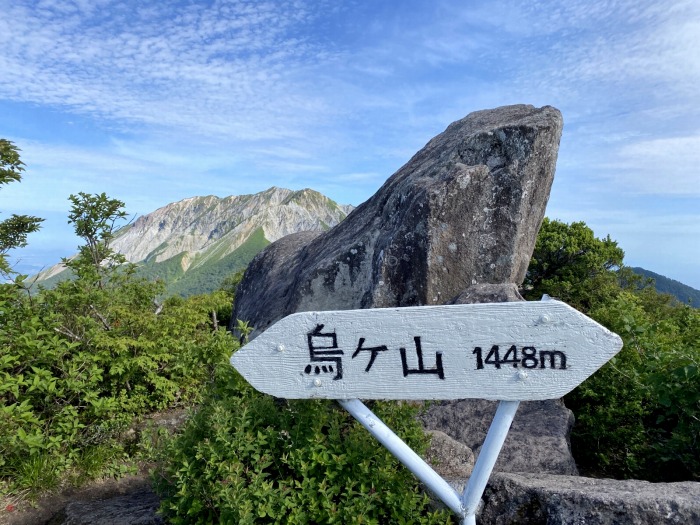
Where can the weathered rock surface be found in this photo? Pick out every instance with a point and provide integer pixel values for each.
(537, 440)
(138, 508)
(51, 508)
(448, 457)
(489, 293)
(197, 225)
(464, 211)
(512, 499)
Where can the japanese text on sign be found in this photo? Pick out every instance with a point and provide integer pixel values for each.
(326, 357)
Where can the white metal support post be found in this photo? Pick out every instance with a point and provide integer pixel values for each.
(404, 454)
(467, 506)
(487, 459)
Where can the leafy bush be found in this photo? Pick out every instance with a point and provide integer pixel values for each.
(246, 457)
(13, 230)
(78, 366)
(639, 415)
(571, 264)
(81, 361)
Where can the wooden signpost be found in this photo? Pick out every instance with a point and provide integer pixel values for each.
(504, 351)
(509, 352)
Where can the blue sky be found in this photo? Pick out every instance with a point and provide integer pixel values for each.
(153, 102)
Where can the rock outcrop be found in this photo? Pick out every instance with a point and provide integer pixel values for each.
(537, 441)
(457, 224)
(138, 508)
(464, 211)
(516, 499)
(448, 457)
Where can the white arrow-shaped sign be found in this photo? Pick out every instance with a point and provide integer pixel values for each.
(502, 351)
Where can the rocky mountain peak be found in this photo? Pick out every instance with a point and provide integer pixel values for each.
(218, 235)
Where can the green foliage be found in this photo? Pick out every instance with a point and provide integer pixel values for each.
(209, 276)
(639, 415)
(13, 230)
(11, 166)
(571, 264)
(94, 219)
(79, 363)
(231, 282)
(75, 374)
(168, 271)
(204, 275)
(246, 457)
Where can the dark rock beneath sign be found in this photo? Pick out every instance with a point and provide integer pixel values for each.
(136, 508)
(464, 211)
(448, 457)
(537, 441)
(512, 499)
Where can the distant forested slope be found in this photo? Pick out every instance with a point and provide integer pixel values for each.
(680, 291)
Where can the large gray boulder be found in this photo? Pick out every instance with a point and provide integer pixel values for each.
(463, 212)
(515, 499)
(448, 457)
(538, 440)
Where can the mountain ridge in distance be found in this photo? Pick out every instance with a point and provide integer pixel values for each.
(195, 243)
(684, 293)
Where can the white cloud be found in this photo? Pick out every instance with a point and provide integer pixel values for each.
(658, 166)
(231, 96)
(226, 68)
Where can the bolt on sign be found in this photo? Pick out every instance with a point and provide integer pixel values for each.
(510, 352)
(504, 351)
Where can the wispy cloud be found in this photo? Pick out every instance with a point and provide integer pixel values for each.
(212, 68)
(231, 96)
(659, 166)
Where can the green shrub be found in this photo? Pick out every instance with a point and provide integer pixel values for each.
(246, 457)
(79, 364)
(639, 416)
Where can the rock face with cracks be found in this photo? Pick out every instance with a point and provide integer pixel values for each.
(538, 440)
(516, 499)
(463, 212)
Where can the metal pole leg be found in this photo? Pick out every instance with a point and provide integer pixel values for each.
(487, 458)
(404, 454)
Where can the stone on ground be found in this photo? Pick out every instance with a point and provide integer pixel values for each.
(538, 440)
(514, 499)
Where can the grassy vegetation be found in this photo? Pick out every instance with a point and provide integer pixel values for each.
(206, 278)
(249, 458)
(639, 415)
(203, 277)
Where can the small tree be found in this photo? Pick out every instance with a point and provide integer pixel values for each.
(94, 218)
(14, 230)
(570, 263)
